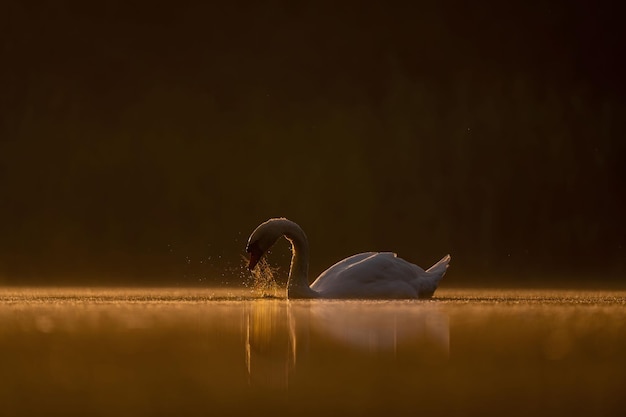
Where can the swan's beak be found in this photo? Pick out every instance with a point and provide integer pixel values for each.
(254, 259)
(255, 254)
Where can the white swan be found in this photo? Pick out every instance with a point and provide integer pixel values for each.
(373, 275)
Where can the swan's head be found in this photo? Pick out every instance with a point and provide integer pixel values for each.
(256, 253)
(264, 238)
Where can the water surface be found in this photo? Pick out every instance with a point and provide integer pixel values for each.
(140, 352)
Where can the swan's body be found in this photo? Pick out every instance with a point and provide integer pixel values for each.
(373, 275)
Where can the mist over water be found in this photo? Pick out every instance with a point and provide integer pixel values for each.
(149, 351)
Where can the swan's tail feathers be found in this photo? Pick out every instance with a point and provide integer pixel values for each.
(432, 277)
(440, 267)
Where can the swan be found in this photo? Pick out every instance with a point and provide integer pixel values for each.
(372, 275)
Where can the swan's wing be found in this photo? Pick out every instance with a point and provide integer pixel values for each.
(345, 264)
(369, 275)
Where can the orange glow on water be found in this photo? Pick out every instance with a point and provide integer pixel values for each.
(229, 350)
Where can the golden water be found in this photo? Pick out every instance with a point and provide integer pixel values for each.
(144, 352)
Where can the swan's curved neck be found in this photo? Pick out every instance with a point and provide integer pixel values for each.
(298, 284)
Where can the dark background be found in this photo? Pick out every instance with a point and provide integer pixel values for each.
(141, 142)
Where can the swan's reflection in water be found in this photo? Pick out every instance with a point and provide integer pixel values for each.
(283, 336)
(270, 343)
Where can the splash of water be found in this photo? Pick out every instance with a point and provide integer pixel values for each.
(264, 280)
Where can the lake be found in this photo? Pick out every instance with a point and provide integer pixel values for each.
(229, 351)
